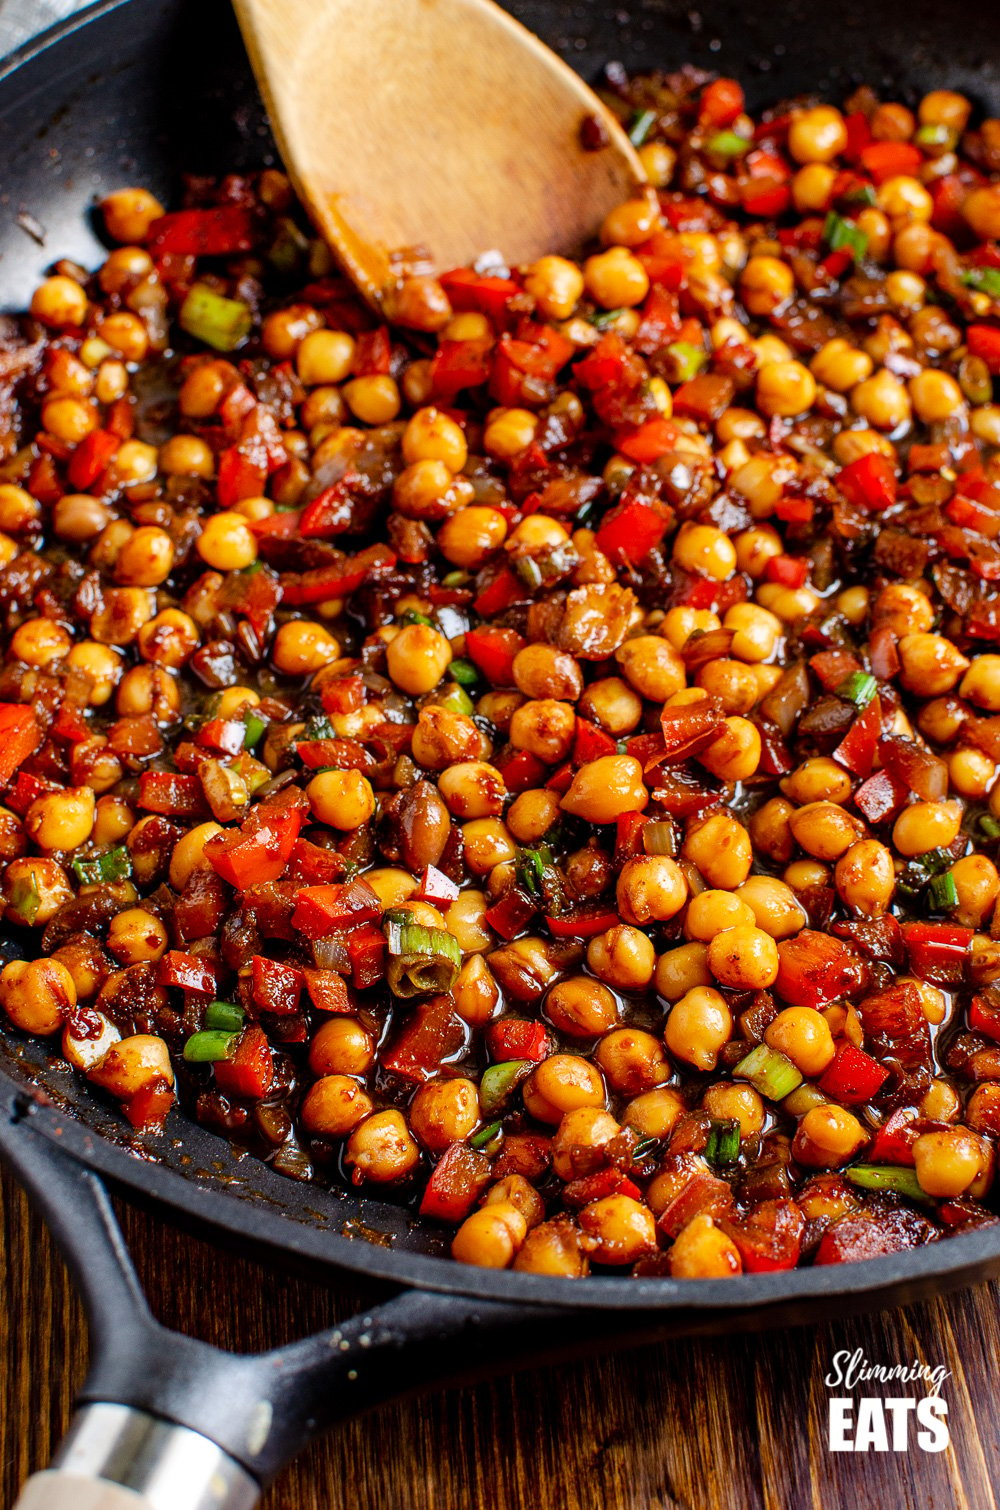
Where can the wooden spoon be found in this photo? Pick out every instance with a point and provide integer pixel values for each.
(441, 124)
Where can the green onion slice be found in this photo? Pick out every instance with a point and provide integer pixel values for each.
(500, 1081)
(898, 1178)
(256, 728)
(769, 1072)
(422, 961)
(114, 865)
(989, 825)
(942, 893)
(688, 359)
(464, 673)
(985, 280)
(485, 1135)
(843, 235)
(604, 317)
(208, 1046)
(727, 144)
(642, 124)
(658, 837)
(225, 1016)
(859, 688)
(411, 616)
(210, 317)
(723, 1146)
(25, 899)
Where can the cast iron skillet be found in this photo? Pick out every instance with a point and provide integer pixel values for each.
(135, 91)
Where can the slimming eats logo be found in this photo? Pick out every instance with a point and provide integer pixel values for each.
(886, 1423)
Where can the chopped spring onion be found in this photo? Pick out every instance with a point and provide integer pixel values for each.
(641, 125)
(499, 1081)
(207, 1047)
(422, 961)
(484, 1137)
(859, 688)
(25, 899)
(456, 579)
(723, 1146)
(605, 317)
(464, 673)
(114, 865)
(769, 1072)
(985, 280)
(935, 136)
(411, 616)
(861, 194)
(529, 571)
(455, 698)
(530, 867)
(219, 322)
(688, 359)
(843, 235)
(289, 247)
(900, 1179)
(645, 1149)
(225, 1016)
(935, 860)
(319, 727)
(942, 893)
(658, 838)
(727, 144)
(989, 825)
(256, 727)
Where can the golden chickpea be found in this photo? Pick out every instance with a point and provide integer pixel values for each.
(971, 772)
(444, 1112)
(702, 1250)
(301, 647)
(825, 829)
(812, 188)
(59, 302)
(621, 1228)
(733, 754)
(682, 969)
(615, 279)
(169, 639)
(865, 878)
(828, 1137)
(133, 1064)
(882, 400)
(631, 223)
(818, 779)
(703, 548)
(679, 624)
(146, 559)
(978, 886)
(579, 1133)
(623, 957)
(491, 1237)
(40, 642)
(556, 285)
(744, 958)
(475, 991)
(561, 1084)
(473, 789)
(711, 912)
(509, 432)
(333, 1107)
(755, 631)
(204, 389)
(486, 843)
(113, 821)
(766, 283)
(817, 135)
(61, 820)
(432, 436)
(773, 906)
(283, 331)
(785, 389)
(904, 609)
(734, 684)
(981, 682)
(803, 1035)
(125, 333)
(632, 1061)
(227, 542)
(442, 737)
(532, 814)
(18, 510)
(468, 537)
(37, 995)
(652, 666)
(943, 107)
(720, 847)
(129, 213)
(611, 703)
(341, 799)
(188, 854)
(948, 1161)
(981, 209)
(940, 1102)
(136, 935)
(926, 825)
(79, 517)
(382, 1149)
(728, 1099)
(698, 1026)
(581, 1008)
(418, 658)
(936, 396)
(544, 671)
(770, 831)
(658, 162)
(325, 356)
(374, 400)
(545, 727)
(603, 789)
(651, 888)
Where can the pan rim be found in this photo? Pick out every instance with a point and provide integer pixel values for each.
(892, 1279)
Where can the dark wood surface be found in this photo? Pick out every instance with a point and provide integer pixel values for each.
(703, 1424)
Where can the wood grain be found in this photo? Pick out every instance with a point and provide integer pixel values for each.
(699, 1424)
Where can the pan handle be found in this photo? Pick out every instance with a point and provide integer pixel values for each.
(166, 1422)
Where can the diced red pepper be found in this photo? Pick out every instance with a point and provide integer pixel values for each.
(512, 913)
(769, 1237)
(436, 888)
(815, 969)
(260, 849)
(249, 1072)
(594, 1187)
(884, 160)
(853, 1076)
(489, 295)
(492, 652)
(660, 320)
(628, 837)
(328, 989)
(917, 768)
(91, 458)
(721, 102)
(172, 794)
(520, 769)
(688, 727)
(502, 591)
(281, 526)
(217, 232)
(859, 746)
(631, 529)
(938, 951)
(583, 921)
(275, 987)
(20, 736)
(787, 571)
(833, 667)
(590, 743)
(343, 754)
(766, 199)
(513, 1038)
(561, 779)
(654, 438)
(25, 790)
(224, 735)
(330, 513)
(148, 1107)
(460, 364)
(604, 363)
(320, 910)
(334, 581)
(703, 1194)
(432, 1034)
(373, 353)
(983, 342)
(345, 695)
(366, 949)
(188, 971)
(894, 1140)
(791, 509)
(870, 482)
(458, 1180)
(984, 1017)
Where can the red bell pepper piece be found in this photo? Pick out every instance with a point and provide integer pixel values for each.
(858, 748)
(590, 743)
(460, 364)
(489, 295)
(25, 790)
(187, 971)
(320, 910)
(721, 102)
(275, 987)
(460, 1176)
(689, 727)
(703, 1194)
(769, 1237)
(870, 482)
(594, 1187)
(833, 667)
(584, 921)
(815, 969)
(793, 510)
(853, 1076)
(492, 652)
(983, 341)
(249, 1071)
(787, 571)
(561, 779)
(604, 363)
(224, 735)
(938, 951)
(217, 232)
(373, 353)
(520, 769)
(970, 515)
(884, 160)
(436, 888)
(765, 199)
(328, 989)
(894, 1140)
(91, 458)
(432, 1035)
(336, 580)
(259, 850)
(542, 352)
(501, 592)
(628, 837)
(20, 736)
(149, 1106)
(653, 439)
(330, 513)
(281, 526)
(345, 695)
(660, 319)
(631, 529)
(172, 794)
(366, 949)
(512, 913)
(513, 1038)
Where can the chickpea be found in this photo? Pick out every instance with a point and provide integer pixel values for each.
(785, 389)
(651, 888)
(471, 535)
(442, 738)
(712, 911)
(971, 773)
(133, 1064)
(818, 779)
(655, 1113)
(682, 969)
(658, 162)
(770, 831)
(605, 788)
(146, 559)
(652, 667)
(40, 642)
(731, 1100)
(136, 935)
(45, 879)
(325, 356)
(37, 995)
(803, 1035)
(615, 279)
(865, 878)
(113, 821)
(60, 303)
(720, 847)
(487, 843)
(766, 284)
(333, 1106)
(545, 727)
(611, 703)
(560, 1084)
(509, 432)
(698, 1026)
(981, 682)
(491, 1237)
(622, 1229)
(703, 548)
(702, 1250)
(579, 1134)
(825, 829)
(543, 671)
(554, 1248)
(943, 107)
(227, 542)
(61, 820)
(556, 285)
(342, 799)
(817, 135)
(382, 1149)
(300, 647)
(828, 1137)
(632, 1061)
(374, 400)
(129, 213)
(432, 436)
(473, 789)
(679, 624)
(882, 400)
(83, 1051)
(532, 814)
(125, 611)
(733, 754)
(947, 1162)
(125, 333)
(444, 1112)
(188, 854)
(514, 1190)
(475, 991)
(744, 958)
(756, 631)
(978, 886)
(623, 957)
(169, 639)
(926, 825)
(732, 683)
(981, 209)
(581, 1008)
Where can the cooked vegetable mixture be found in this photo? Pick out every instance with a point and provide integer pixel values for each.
(538, 758)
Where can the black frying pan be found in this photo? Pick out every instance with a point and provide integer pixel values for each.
(135, 91)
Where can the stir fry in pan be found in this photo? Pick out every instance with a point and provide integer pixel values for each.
(538, 757)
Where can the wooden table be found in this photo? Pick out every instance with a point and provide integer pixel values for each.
(731, 1424)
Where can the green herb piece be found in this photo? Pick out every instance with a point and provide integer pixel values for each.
(25, 899)
(659, 838)
(422, 961)
(641, 125)
(219, 322)
(456, 699)
(934, 136)
(114, 865)
(985, 280)
(318, 727)
(529, 571)
(646, 1148)
(861, 194)
(723, 1146)
(256, 729)
(485, 1135)
(989, 825)
(859, 688)
(602, 318)
(727, 144)
(942, 893)
(688, 359)
(900, 1179)
(843, 235)
(769, 1072)
(207, 1047)
(530, 867)
(500, 1081)
(289, 247)
(411, 616)
(935, 860)
(464, 673)
(456, 579)
(225, 1016)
